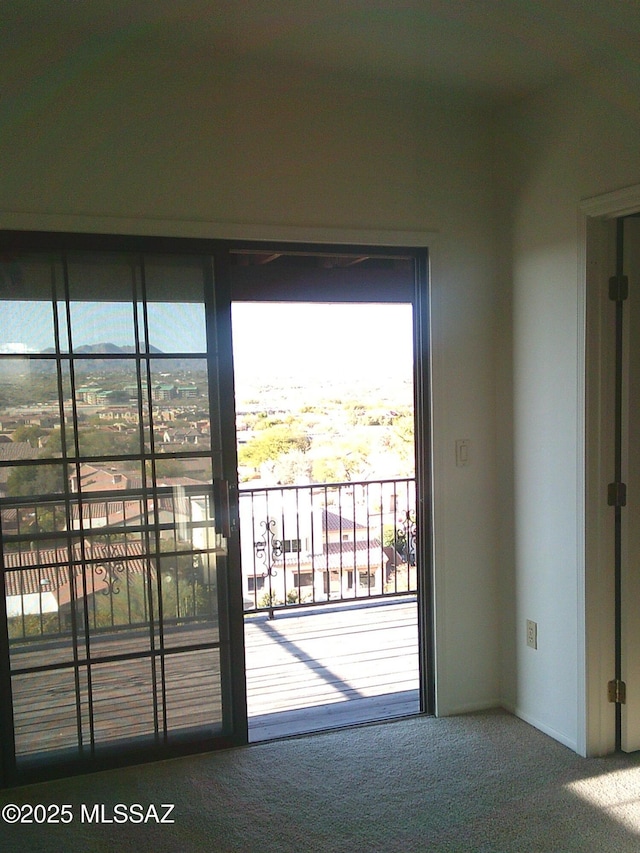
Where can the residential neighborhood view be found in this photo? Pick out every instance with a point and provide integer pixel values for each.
(325, 461)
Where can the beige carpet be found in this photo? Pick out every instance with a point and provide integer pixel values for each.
(483, 782)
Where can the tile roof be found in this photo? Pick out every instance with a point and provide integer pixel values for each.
(333, 521)
(25, 570)
(12, 451)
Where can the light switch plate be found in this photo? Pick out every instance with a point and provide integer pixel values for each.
(463, 451)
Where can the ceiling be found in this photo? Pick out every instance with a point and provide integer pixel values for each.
(498, 50)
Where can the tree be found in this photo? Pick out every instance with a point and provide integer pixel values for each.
(169, 467)
(293, 468)
(92, 442)
(36, 480)
(343, 461)
(28, 433)
(271, 444)
(356, 412)
(399, 438)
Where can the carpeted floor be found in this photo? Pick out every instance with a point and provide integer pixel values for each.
(481, 782)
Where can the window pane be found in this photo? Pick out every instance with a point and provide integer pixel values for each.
(180, 404)
(41, 725)
(193, 691)
(175, 304)
(101, 308)
(128, 687)
(28, 392)
(28, 480)
(36, 606)
(106, 397)
(26, 294)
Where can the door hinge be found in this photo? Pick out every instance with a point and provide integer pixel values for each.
(617, 691)
(617, 494)
(618, 288)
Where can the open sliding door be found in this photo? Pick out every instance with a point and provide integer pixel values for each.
(332, 359)
(121, 618)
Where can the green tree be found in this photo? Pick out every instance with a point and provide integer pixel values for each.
(36, 480)
(272, 443)
(92, 442)
(356, 412)
(343, 461)
(28, 433)
(293, 468)
(399, 439)
(169, 467)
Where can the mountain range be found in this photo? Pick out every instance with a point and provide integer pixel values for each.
(104, 348)
(113, 364)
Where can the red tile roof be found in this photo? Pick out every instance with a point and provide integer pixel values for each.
(25, 570)
(333, 521)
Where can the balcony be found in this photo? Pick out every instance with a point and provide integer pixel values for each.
(329, 582)
(329, 590)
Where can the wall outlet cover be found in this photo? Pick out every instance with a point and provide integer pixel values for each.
(532, 634)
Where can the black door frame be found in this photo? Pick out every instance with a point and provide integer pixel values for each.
(378, 289)
(233, 667)
(620, 287)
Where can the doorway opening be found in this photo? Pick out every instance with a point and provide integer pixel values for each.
(325, 418)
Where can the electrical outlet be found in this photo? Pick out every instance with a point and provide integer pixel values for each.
(532, 634)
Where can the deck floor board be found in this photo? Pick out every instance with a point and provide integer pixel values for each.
(312, 670)
(307, 670)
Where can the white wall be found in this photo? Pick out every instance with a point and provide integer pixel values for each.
(120, 136)
(575, 141)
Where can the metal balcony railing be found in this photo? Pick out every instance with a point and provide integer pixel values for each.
(125, 561)
(308, 545)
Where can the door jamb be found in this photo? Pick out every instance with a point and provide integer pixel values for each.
(596, 623)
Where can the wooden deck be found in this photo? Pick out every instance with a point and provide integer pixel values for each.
(307, 670)
(331, 666)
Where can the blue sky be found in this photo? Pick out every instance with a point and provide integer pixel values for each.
(173, 327)
(270, 338)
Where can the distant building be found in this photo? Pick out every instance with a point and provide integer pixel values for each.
(163, 392)
(187, 391)
(43, 581)
(299, 549)
(96, 479)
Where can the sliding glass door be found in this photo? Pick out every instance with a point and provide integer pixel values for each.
(121, 622)
(116, 523)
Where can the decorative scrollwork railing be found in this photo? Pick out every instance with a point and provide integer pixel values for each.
(111, 572)
(267, 549)
(322, 543)
(406, 538)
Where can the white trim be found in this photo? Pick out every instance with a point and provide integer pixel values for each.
(581, 622)
(278, 232)
(547, 730)
(611, 205)
(149, 227)
(594, 724)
